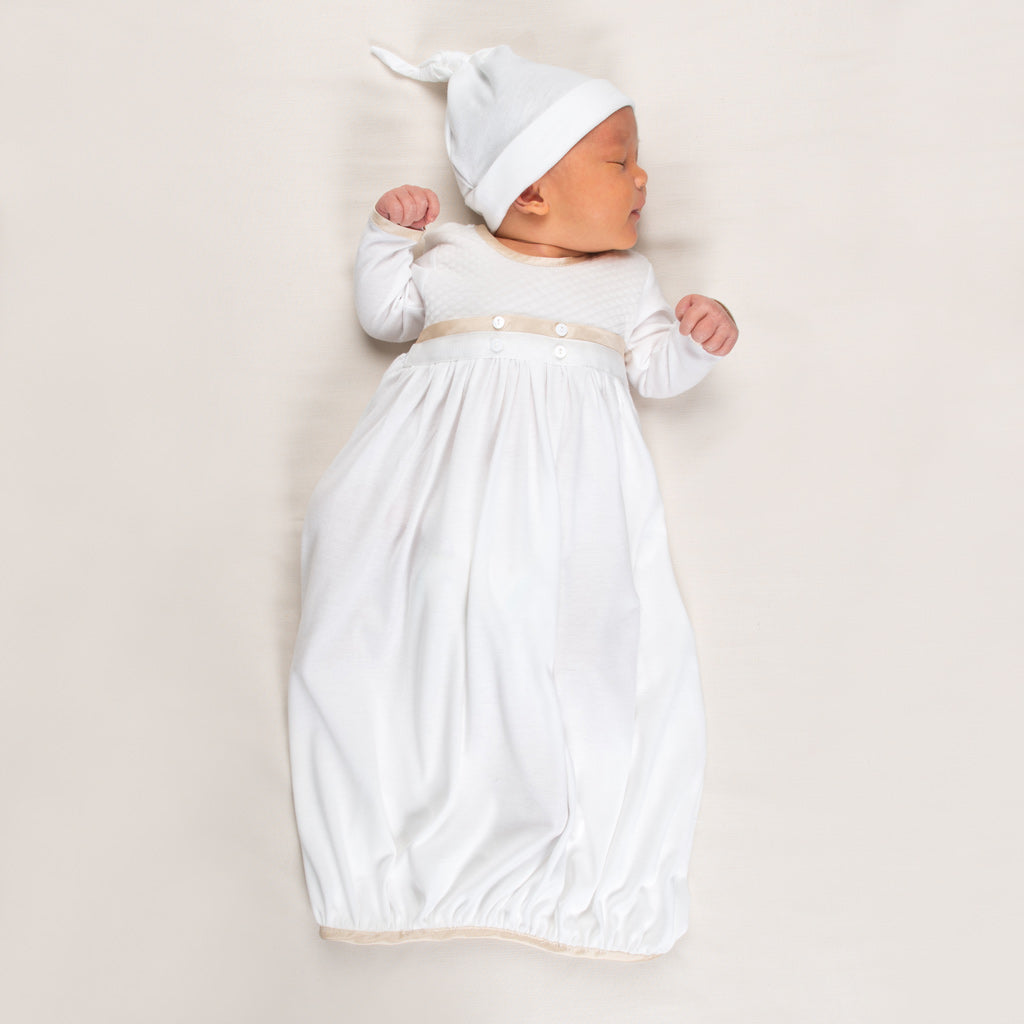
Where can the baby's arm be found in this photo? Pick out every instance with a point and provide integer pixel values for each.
(669, 351)
(388, 303)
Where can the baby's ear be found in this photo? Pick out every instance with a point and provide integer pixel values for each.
(531, 201)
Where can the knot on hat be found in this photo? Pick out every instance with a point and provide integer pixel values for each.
(438, 68)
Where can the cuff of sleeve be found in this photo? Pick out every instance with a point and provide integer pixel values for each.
(395, 229)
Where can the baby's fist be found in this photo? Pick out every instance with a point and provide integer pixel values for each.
(708, 322)
(410, 206)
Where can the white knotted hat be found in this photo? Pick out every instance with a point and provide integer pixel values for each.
(509, 120)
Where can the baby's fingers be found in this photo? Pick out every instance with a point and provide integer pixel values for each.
(689, 312)
(410, 206)
(721, 341)
(389, 206)
(708, 323)
(419, 206)
(427, 207)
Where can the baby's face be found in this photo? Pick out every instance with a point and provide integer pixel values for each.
(596, 191)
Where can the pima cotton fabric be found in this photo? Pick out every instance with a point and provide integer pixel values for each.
(495, 710)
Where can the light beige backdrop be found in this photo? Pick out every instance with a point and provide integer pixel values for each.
(182, 187)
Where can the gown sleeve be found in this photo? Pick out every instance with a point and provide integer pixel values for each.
(388, 303)
(660, 362)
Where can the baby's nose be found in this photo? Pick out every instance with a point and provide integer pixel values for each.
(641, 178)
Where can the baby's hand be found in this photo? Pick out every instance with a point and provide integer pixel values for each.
(410, 206)
(708, 322)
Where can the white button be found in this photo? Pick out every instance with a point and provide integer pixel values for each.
(497, 344)
(499, 322)
(561, 330)
(559, 351)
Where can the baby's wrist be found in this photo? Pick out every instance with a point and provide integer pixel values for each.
(380, 221)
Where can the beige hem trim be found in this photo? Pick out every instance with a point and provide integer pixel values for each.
(440, 934)
(524, 325)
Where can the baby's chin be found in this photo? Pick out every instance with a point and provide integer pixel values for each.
(622, 240)
(624, 246)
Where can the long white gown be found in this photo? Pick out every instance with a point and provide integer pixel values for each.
(495, 715)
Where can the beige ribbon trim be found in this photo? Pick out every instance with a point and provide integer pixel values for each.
(395, 229)
(524, 325)
(438, 934)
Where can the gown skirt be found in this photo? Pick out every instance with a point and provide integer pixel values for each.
(495, 713)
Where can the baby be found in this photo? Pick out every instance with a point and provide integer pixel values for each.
(581, 206)
(495, 715)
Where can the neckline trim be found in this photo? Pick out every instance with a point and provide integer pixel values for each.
(522, 257)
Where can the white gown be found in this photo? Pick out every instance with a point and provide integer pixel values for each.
(495, 715)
